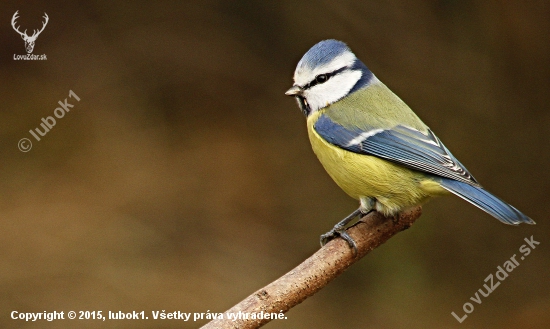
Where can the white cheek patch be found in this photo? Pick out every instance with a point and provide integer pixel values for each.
(304, 75)
(338, 86)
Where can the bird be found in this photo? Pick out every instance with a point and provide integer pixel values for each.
(374, 146)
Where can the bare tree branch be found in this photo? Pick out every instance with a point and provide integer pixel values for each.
(315, 272)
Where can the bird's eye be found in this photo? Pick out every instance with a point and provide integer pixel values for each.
(321, 78)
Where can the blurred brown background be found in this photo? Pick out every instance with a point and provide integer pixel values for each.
(184, 179)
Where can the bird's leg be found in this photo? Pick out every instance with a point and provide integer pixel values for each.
(340, 230)
(367, 205)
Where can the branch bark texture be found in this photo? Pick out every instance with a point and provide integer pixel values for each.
(316, 271)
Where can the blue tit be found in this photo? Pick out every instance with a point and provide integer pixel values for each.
(374, 146)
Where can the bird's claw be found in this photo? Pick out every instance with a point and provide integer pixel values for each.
(325, 238)
(339, 231)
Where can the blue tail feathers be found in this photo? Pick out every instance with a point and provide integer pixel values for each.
(486, 201)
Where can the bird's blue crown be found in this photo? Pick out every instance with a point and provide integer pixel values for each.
(323, 53)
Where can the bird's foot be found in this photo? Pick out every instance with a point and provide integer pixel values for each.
(339, 231)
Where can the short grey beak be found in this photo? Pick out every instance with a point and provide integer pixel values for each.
(295, 90)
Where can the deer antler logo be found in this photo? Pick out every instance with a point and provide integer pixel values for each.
(29, 40)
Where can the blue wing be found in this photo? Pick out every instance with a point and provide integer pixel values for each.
(403, 145)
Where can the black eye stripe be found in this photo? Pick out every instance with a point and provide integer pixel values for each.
(327, 75)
